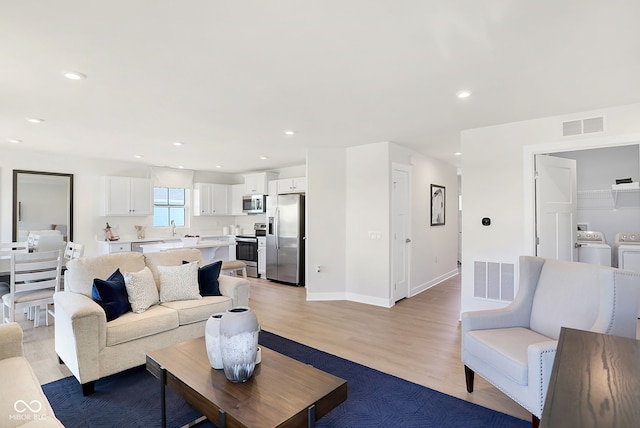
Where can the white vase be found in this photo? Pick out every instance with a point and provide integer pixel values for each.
(239, 342)
(212, 340)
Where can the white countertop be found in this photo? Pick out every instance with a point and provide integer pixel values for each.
(165, 246)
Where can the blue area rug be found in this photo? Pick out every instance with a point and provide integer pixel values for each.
(375, 399)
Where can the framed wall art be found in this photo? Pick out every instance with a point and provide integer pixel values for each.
(437, 205)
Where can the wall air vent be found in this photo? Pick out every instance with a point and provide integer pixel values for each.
(494, 281)
(583, 126)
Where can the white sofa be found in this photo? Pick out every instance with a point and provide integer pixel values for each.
(22, 402)
(93, 348)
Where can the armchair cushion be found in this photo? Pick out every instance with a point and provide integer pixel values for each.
(575, 304)
(505, 349)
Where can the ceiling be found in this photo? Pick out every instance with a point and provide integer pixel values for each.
(227, 78)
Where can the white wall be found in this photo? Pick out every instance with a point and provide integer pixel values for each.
(325, 222)
(497, 168)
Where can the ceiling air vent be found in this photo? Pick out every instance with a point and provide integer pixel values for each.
(583, 126)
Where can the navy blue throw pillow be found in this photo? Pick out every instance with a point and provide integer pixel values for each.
(111, 294)
(208, 278)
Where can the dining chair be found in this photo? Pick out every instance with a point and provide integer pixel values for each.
(35, 277)
(73, 250)
(6, 248)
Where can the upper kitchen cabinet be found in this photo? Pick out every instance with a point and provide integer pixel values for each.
(291, 185)
(258, 183)
(127, 196)
(210, 199)
(237, 191)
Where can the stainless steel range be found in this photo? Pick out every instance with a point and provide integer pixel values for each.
(247, 249)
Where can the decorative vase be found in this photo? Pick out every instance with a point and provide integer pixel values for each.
(212, 340)
(239, 343)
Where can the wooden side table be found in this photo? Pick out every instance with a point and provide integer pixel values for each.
(595, 382)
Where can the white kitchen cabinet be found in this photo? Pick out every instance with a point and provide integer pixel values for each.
(127, 196)
(257, 184)
(235, 201)
(292, 185)
(111, 247)
(210, 199)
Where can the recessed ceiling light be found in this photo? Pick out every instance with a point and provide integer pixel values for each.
(458, 154)
(263, 158)
(34, 119)
(180, 167)
(463, 93)
(14, 141)
(138, 156)
(290, 132)
(75, 75)
(178, 143)
(218, 166)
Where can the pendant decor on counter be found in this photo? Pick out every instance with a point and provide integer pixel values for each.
(212, 340)
(239, 331)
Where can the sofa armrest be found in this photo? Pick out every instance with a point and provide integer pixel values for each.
(10, 340)
(80, 334)
(235, 287)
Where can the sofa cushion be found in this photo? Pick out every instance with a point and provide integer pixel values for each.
(179, 282)
(141, 289)
(132, 326)
(111, 294)
(208, 279)
(192, 311)
(25, 387)
(170, 258)
(505, 349)
(81, 272)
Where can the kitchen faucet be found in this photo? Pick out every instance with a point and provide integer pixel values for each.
(173, 228)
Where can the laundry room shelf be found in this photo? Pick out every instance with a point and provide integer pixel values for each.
(608, 199)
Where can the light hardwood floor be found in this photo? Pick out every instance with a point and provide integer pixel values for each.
(417, 340)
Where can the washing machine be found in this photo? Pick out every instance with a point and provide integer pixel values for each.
(593, 248)
(627, 251)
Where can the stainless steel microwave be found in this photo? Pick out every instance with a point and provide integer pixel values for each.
(254, 204)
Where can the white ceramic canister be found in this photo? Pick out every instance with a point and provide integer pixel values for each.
(212, 340)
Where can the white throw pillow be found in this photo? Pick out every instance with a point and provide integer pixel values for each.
(141, 289)
(179, 282)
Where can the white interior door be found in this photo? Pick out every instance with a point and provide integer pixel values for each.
(401, 231)
(556, 207)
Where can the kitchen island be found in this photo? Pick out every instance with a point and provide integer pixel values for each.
(213, 248)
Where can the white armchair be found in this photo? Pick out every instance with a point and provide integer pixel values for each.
(513, 348)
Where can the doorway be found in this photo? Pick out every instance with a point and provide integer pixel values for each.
(599, 207)
(400, 231)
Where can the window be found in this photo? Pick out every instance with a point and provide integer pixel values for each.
(169, 204)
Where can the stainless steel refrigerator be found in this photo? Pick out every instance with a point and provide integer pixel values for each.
(285, 238)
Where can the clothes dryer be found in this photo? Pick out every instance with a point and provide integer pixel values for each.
(593, 248)
(627, 251)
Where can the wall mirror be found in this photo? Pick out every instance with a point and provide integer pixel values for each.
(42, 201)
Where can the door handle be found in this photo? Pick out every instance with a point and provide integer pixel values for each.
(407, 240)
(576, 245)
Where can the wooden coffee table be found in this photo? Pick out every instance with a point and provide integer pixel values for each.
(282, 392)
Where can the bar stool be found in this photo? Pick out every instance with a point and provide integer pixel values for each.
(234, 267)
